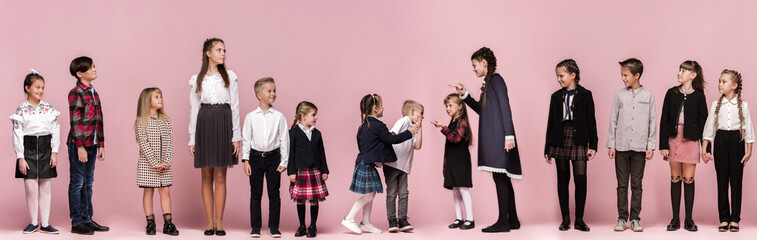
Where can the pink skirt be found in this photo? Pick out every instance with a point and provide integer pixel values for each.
(682, 149)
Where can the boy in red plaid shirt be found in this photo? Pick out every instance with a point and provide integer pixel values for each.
(85, 143)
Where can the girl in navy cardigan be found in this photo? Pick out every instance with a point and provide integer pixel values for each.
(375, 144)
(307, 167)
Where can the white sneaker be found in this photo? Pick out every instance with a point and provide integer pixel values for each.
(621, 226)
(636, 226)
(368, 227)
(351, 225)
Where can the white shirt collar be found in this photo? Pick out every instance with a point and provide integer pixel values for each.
(733, 101)
(306, 129)
(259, 110)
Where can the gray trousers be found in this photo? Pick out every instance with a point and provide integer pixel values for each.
(396, 185)
(629, 164)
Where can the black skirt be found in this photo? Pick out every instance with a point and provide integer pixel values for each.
(213, 136)
(37, 151)
(457, 163)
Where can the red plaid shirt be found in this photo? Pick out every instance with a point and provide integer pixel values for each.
(86, 116)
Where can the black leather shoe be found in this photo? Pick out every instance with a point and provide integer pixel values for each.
(497, 228)
(209, 232)
(82, 229)
(455, 224)
(689, 224)
(564, 226)
(723, 228)
(515, 225)
(312, 232)
(220, 233)
(581, 226)
(734, 228)
(150, 229)
(675, 224)
(467, 225)
(301, 231)
(97, 227)
(169, 228)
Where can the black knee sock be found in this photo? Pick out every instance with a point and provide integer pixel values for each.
(301, 214)
(675, 197)
(563, 178)
(689, 198)
(313, 215)
(580, 182)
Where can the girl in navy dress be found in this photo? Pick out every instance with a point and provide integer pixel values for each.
(375, 144)
(497, 151)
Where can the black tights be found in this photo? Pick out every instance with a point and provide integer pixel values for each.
(508, 216)
(563, 178)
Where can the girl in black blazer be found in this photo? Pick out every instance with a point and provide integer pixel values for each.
(307, 168)
(684, 112)
(571, 138)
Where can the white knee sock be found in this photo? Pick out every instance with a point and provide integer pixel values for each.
(457, 198)
(359, 204)
(45, 198)
(32, 194)
(367, 211)
(468, 203)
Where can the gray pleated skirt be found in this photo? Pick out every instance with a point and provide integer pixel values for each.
(213, 137)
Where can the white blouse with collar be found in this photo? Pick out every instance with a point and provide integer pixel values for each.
(214, 92)
(728, 119)
(31, 121)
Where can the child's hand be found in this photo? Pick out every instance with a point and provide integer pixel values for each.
(745, 158)
(611, 153)
(459, 87)
(247, 169)
(292, 177)
(192, 150)
(82, 154)
(53, 160)
(324, 176)
(237, 148)
(549, 160)
(665, 153)
(413, 129)
(101, 154)
(591, 153)
(650, 154)
(281, 169)
(22, 166)
(437, 124)
(509, 144)
(706, 156)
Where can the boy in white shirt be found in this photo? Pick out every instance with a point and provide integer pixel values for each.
(266, 149)
(395, 173)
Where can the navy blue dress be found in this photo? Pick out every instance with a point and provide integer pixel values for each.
(494, 123)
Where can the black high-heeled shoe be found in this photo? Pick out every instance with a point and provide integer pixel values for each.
(689, 225)
(675, 224)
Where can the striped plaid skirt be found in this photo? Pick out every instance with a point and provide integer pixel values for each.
(366, 179)
(568, 150)
(308, 186)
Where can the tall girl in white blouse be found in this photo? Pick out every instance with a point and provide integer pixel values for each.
(214, 133)
(36, 138)
(730, 126)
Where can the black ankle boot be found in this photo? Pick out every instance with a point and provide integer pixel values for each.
(168, 227)
(150, 229)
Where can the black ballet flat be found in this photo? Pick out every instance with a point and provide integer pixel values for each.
(675, 224)
(209, 232)
(467, 225)
(455, 224)
(220, 233)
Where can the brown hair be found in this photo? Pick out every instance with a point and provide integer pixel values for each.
(206, 47)
(461, 116)
(366, 108)
(491, 66)
(634, 65)
(303, 108)
(698, 82)
(571, 66)
(410, 105)
(30, 78)
(736, 77)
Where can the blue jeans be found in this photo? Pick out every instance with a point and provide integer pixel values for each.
(80, 185)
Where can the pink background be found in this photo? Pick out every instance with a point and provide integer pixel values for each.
(333, 53)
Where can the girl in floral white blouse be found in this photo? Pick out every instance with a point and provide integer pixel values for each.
(154, 135)
(36, 137)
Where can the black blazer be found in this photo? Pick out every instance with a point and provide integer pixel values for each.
(375, 142)
(584, 122)
(694, 118)
(305, 153)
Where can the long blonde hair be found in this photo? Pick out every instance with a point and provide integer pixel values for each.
(736, 77)
(143, 107)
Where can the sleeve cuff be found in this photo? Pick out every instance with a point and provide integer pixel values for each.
(510, 137)
(19, 155)
(464, 96)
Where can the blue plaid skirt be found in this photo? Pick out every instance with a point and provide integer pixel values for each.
(366, 179)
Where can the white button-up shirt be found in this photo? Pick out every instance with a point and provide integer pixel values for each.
(728, 119)
(214, 92)
(31, 121)
(264, 132)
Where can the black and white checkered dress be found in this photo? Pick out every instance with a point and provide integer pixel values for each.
(155, 147)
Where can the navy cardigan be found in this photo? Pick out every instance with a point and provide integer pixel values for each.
(375, 142)
(305, 153)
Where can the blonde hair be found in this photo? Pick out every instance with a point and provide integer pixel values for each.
(259, 83)
(410, 105)
(736, 78)
(303, 108)
(143, 107)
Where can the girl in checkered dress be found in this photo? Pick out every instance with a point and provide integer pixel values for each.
(375, 144)
(571, 139)
(307, 167)
(155, 138)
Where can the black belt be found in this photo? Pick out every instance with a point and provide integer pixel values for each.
(215, 105)
(271, 153)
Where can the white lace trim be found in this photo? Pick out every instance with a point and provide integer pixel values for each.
(500, 170)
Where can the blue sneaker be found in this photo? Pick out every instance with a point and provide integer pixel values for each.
(49, 230)
(30, 229)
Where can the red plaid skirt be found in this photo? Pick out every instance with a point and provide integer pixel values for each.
(568, 150)
(308, 186)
